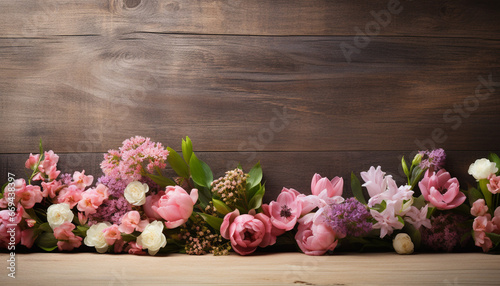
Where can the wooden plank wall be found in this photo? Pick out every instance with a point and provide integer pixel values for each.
(325, 86)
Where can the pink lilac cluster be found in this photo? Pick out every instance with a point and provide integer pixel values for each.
(350, 218)
(391, 205)
(70, 192)
(434, 159)
(129, 161)
(446, 232)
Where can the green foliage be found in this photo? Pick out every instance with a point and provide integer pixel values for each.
(177, 163)
(187, 149)
(200, 172)
(214, 222)
(161, 180)
(357, 191)
(255, 176)
(221, 207)
(405, 167)
(46, 241)
(256, 201)
(494, 158)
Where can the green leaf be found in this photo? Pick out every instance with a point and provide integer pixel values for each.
(161, 181)
(494, 158)
(495, 238)
(488, 196)
(214, 222)
(414, 234)
(187, 149)
(40, 147)
(474, 195)
(45, 227)
(419, 202)
(204, 196)
(81, 230)
(357, 191)
(255, 176)
(256, 200)
(221, 207)
(200, 172)
(405, 167)
(416, 176)
(46, 241)
(177, 163)
(128, 237)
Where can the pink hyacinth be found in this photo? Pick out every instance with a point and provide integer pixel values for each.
(417, 217)
(375, 181)
(494, 184)
(285, 210)
(481, 226)
(387, 220)
(247, 232)
(49, 166)
(27, 195)
(314, 236)
(176, 206)
(51, 189)
(326, 189)
(441, 190)
(131, 222)
(479, 208)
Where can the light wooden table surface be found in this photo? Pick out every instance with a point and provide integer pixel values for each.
(260, 269)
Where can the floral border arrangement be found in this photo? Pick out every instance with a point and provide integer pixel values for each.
(134, 207)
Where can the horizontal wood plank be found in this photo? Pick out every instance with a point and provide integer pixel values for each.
(263, 269)
(464, 18)
(230, 93)
(281, 169)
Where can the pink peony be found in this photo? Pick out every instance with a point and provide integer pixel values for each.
(441, 190)
(315, 237)
(32, 160)
(176, 206)
(70, 195)
(494, 184)
(67, 239)
(152, 201)
(324, 188)
(131, 222)
(247, 232)
(274, 230)
(479, 208)
(81, 181)
(285, 210)
(112, 234)
(27, 195)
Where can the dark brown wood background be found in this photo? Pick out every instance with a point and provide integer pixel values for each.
(85, 75)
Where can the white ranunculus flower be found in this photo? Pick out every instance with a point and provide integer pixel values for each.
(95, 237)
(135, 193)
(402, 244)
(152, 238)
(482, 168)
(58, 214)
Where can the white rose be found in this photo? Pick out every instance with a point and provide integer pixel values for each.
(402, 244)
(482, 168)
(135, 193)
(152, 238)
(95, 237)
(58, 214)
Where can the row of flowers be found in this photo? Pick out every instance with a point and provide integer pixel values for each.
(134, 207)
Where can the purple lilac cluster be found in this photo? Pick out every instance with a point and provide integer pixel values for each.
(116, 206)
(350, 218)
(435, 159)
(446, 232)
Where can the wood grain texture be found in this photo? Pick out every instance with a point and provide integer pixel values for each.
(281, 169)
(263, 269)
(87, 94)
(464, 18)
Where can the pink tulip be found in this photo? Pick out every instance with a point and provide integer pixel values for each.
(322, 187)
(31, 162)
(315, 237)
(285, 210)
(176, 206)
(131, 222)
(479, 208)
(247, 232)
(152, 201)
(494, 184)
(441, 190)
